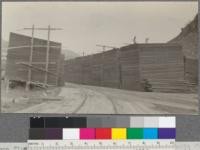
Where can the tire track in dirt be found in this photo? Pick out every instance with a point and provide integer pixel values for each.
(83, 101)
(108, 98)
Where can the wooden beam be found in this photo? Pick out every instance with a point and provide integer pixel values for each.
(36, 63)
(30, 59)
(31, 66)
(27, 46)
(47, 54)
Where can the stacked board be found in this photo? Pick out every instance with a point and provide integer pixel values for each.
(191, 70)
(127, 67)
(19, 63)
(61, 81)
(96, 70)
(129, 64)
(158, 61)
(110, 69)
(162, 66)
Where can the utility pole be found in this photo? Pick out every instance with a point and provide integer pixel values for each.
(30, 58)
(47, 55)
(102, 64)
(49, 29)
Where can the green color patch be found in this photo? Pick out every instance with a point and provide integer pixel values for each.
(134, 133)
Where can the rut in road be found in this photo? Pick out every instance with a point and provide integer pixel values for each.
(108, 98)
(83, 101)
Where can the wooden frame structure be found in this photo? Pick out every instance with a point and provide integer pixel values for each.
(33, 60)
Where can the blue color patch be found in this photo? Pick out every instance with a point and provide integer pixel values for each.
(150, 133)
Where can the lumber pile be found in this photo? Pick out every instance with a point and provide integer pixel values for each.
(86, 69)
(19, 63)
(96, 66)
(191, 70)
(170, 86)
(161, 61)
(129, 61)
(110, 69)
(127, 67)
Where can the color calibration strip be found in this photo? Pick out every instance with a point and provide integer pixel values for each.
(80, 128)
(102, 133)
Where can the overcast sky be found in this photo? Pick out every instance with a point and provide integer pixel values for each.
(86, 24)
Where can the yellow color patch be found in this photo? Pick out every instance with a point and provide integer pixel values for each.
(118, 133)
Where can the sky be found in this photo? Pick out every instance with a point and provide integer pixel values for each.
(86, 24)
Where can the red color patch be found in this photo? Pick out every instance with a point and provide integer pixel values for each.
(103, 133)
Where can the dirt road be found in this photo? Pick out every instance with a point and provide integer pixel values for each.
(100, 100)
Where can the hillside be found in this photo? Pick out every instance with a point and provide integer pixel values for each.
(188, 38)
(69, 54)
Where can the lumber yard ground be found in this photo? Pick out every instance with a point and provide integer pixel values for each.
(73, 98)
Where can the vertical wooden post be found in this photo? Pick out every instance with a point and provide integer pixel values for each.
(30, 59)
(47, 56)
(7, 84)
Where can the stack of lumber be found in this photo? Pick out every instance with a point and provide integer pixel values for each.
(86, 69)
(162, 65)
(161, 61)
(128, 67)
(171, 86)
(129, 61)
(191, 70)
(18, 60)
(96, 66)
(61, 81)
(110, 72)
(69, 70)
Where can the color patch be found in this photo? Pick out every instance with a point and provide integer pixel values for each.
(71, 134)
(167, 122)
(137, 122)
(108, 122)
(36, 134)
(122, 122)
(118, 133)
(150, 133)
(87, 133)
(53, 133)
(167, 133)
(36, 122)
(103, 133)
(94, 122)
(151, 122)
(63, 122)
(134, 133)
